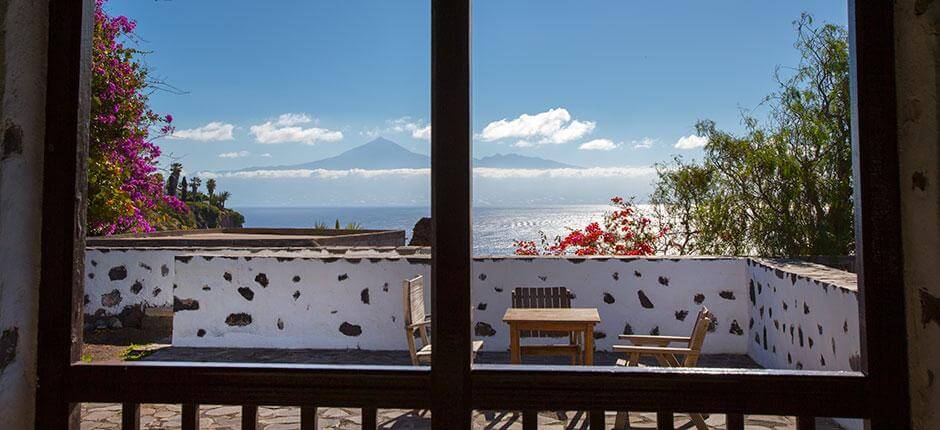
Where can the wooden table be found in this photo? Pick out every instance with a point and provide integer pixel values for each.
(570, 319)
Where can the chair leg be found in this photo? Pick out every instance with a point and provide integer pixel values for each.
(699, 421)
(622, 422)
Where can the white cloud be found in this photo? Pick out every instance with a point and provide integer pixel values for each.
(287, 128)
(238, 154)
(645, 143)
(417, 128)
(554, 126)
(266, 155)
(599, 145)
(423, 133)
(481, 172)
(212, 131)
(691, 142)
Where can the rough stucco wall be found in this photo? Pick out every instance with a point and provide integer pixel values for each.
(803, 319)
(140, 277)
(22, 87)
(917, 31)
(265, 301)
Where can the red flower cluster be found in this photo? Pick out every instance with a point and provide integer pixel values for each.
(624, 232)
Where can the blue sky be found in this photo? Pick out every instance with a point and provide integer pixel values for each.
(628, 75)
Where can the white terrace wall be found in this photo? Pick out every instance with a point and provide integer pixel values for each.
(305, 302)
(802, 316)
(118, 278)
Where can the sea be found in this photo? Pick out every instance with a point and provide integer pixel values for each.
(494, 228)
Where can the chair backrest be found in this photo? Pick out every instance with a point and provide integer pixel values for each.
(697, 338)
(413, 299)
(541, 297)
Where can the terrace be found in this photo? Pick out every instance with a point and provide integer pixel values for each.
(343, 305)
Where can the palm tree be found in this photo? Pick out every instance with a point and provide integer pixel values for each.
(172, 183)
(223, 196)
(194, 184)
(210, 186)
(184, 189)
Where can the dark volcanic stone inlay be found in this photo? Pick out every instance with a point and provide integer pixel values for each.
(296, 278)
(117, 273)
(483, 329)
(247, 293)
(654, 331)
(185, 304)
(627, 329)
(637, 273)
(364, 295)
(481, 306)
(200, 332)
(137, 287)
(615, 275)
(712, 326)
(238, 320)
(227, 276)
(350, 329)
(699, 298)
(663, 281)
(342, 277)
(609, 298)
(681, 314)
(727, 295)
(750, 292)
(280, 324)
(600, 335)
(156, 292)
(262, 279)
(735, 328)
(296, 294)
(112, 299)
(164, 270)
(145, 267)
(8, 342)
(644, 301)
(482, 276)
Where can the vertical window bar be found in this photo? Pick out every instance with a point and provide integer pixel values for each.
(369, 418)
(308, 418)
(805, 423)
(450, 213)
(249, 417)
(665, 421)
(596, 418)
(734, 421)
(190, 416)
(530, 419)
(130, 416)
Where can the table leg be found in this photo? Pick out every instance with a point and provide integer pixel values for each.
(515, 355)
(589, 345)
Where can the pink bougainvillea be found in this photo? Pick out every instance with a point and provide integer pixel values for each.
(623, 232)
(125, 191)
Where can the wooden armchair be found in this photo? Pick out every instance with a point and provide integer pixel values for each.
(552, 298)
(658, 347)
(418, 323)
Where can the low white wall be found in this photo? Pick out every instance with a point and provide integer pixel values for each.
(116, 278)
(805, 316)
(311, 302)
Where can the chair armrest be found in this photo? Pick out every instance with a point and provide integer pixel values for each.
(419, 324)
(644, 339)
(651, 350)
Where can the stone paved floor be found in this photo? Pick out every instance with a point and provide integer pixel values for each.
(216, 417)
(108, 416)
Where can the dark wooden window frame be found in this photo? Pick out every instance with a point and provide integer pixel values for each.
(451, 388)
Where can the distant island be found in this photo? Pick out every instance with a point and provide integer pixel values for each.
(382, 153)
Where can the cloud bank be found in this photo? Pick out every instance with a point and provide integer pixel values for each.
(213, 131)
(238, 154)
(554, 126)
(288, 128)
(691, 142)
(479, 172)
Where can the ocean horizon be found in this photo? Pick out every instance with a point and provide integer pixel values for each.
(494, 228)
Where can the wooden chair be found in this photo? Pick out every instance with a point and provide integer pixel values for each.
(553, 298)
(418, 323)
(659, 348)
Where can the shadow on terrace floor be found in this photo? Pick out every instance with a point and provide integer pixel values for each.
(359, 356)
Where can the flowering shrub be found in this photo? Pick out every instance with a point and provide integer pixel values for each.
(125, 192)
(624, 232)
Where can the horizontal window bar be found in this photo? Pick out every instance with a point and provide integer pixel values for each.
(753, 391)
(257, 384)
